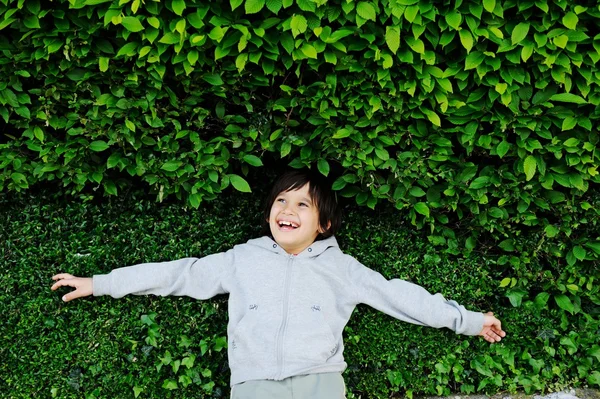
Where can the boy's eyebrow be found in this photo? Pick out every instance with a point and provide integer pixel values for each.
(306, 200)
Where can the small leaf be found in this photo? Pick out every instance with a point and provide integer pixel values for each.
(392, 38)
(366, 10)
(466, 39)
(98, 145)
(239, 183)
(519, 32)
(103, 63)
(422, 208)
(132, 24)
(253, 160)
(298, 25)
(489, 5)
(570, 20)
(502, 148)
(579, 252)
(214, 79)
(323, 167)
(568, 98)
(308, 50)
(454, 19)
(235, 4)
(505, 282)
(529, 166)
(254, 6)
(178, 6)
(171, 166)
(564, 303)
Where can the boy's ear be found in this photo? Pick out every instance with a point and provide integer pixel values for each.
(328, 227)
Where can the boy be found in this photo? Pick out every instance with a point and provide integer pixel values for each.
(290, 295)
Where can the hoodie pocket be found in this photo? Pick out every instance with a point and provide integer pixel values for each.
(309, 337)
(247, 342)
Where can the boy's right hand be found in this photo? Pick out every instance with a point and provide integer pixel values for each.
(83, 285)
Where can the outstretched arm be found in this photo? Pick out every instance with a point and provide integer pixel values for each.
(492, 328)
(83, 285)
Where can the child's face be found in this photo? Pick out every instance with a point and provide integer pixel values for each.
(294, 220)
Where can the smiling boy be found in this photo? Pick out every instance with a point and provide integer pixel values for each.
(291, 294)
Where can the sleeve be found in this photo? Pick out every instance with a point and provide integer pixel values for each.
(410, 302)
(199, 278)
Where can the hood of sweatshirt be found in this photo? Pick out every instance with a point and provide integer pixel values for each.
(314, 250)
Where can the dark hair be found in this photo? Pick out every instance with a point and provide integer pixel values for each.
(320, 192)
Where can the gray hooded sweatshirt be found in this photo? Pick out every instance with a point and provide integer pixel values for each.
(287, 312)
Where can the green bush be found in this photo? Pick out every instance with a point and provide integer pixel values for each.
(482, 114)
(155, 347)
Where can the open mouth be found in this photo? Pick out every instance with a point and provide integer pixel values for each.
(284, 225)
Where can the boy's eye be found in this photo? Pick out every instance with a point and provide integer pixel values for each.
(303, 204)
(280, 200)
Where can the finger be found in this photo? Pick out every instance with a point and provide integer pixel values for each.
(61, 276)
(65, 282)
(70, 296)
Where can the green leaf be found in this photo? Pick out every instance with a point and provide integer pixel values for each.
(466, 39)
(502, 148)
(239, 183)
(564, 303)
(254, 6)
(507, 245)
(31, 22)
(529, 166)
(178, 6)
(323, 166)
(416, 192)
(235, 4)
(422, 208)
(342, 133)
(392, 38)
(308, 50)
(253, 160)
(489, 5)
(298, 25)
(214, 79)
(568, 98)
(103, 63)
(551, 231)
(171, 166)
(505, 282)
(132, 24)
(128, 49)
(519, 33)
(98, 145)
(454, 19)
(366, 10)
(515, 296)
(568, 123)
(570, 20)
(579, 252)
(110, 187)
(170, 384)
(474, 59)
(274, 5)
(480, 182)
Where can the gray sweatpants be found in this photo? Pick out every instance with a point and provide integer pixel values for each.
(312, 386)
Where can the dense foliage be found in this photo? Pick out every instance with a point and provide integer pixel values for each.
(152, 347)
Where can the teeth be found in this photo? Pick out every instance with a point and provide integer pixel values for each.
(286, 223)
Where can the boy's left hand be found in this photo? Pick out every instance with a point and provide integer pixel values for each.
(492, 328)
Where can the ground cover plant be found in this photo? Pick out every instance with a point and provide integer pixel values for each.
(152, 347)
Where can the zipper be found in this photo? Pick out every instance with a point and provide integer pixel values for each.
(280, 335)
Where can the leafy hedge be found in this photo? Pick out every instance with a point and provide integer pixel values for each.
(153, 347)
